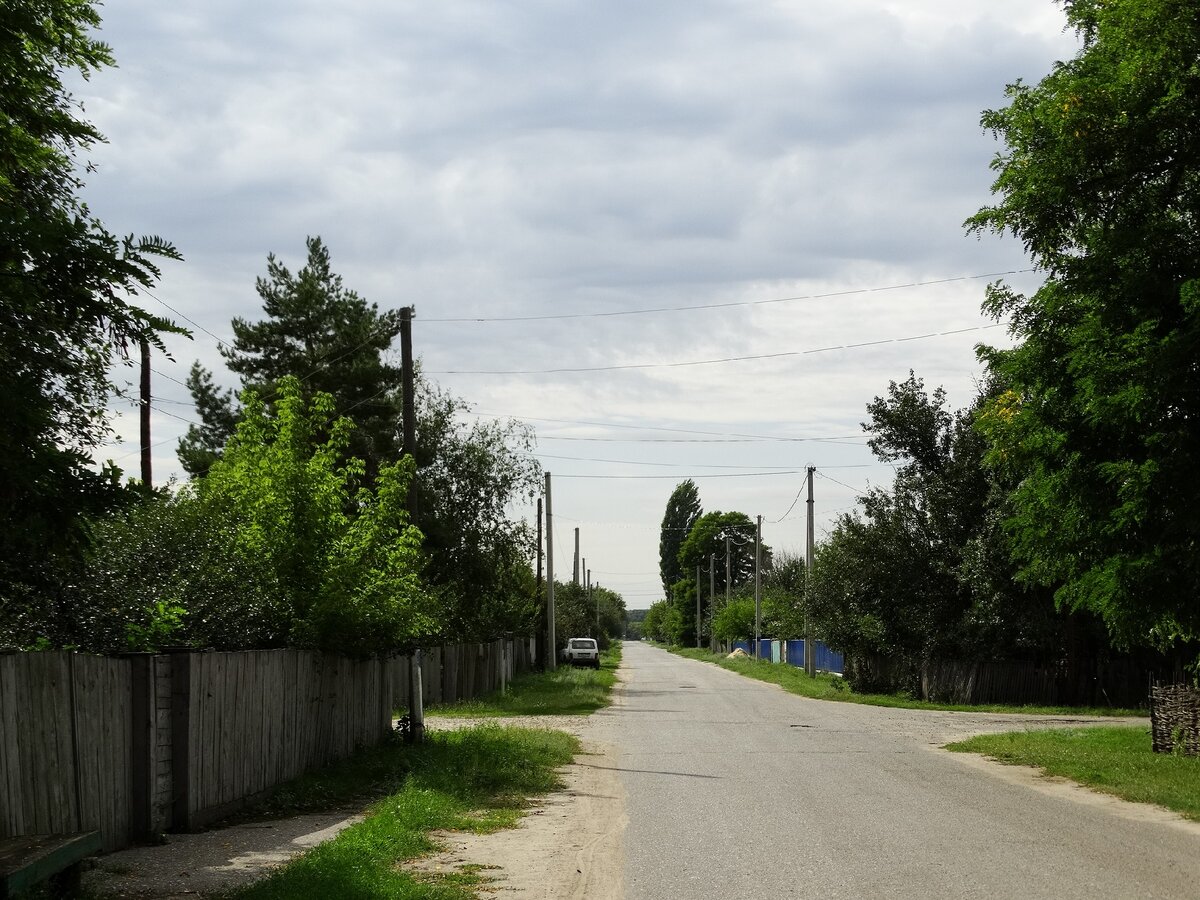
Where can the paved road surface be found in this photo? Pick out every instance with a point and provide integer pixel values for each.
(736, 789)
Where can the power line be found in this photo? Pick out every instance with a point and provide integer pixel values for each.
(633, 462)
(859, 493)
(723, 434)
(709, 362)
(722, 475)
(221, 342)
(726, 305)
(555, 437)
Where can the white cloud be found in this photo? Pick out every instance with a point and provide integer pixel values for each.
(484, 159)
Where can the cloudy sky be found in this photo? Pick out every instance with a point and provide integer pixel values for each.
(606, 184)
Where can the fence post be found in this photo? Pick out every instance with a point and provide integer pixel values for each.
(181, 744)
(416, 710)
(142, 742)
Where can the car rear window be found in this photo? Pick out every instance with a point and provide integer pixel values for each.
(583, 645)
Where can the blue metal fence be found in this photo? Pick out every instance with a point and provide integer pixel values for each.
(827, 660)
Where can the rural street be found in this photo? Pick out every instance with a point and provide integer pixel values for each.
(734, 788)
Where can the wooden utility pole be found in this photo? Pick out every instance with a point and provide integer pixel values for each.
(147, 480)
(698, 607)
(416, 699)
(810, 652)
(551, 648)
(757, 583)
(727, 569)
(575, 574)
(541, 601)
(712, 586)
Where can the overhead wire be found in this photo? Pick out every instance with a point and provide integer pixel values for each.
(710, 362)
(725, 305)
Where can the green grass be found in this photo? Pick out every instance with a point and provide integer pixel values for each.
(831, 687)
(475, 779)
(1115, 760)
(565, 691)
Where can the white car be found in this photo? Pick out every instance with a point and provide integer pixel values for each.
(582, 652)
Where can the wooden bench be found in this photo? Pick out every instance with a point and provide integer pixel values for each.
(29, 860)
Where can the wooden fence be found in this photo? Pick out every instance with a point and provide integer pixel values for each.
(138, 745)
(1119, 682)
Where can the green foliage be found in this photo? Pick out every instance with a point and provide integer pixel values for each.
(475, 779)
(65, 316)
(350, 579)
(707, 540)
(683, 509)
(279, 546)
(170, 551)
(663, 623)
(923, 570)
(735, 620)
(565, 691)
(1100, 426)
(575, 614)
(468, 474)
(316, 330)
(164, 623)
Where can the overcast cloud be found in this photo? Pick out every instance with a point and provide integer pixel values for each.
(489, 159)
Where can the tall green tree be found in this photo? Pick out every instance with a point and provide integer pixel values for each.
(1100, 179)
(318, 330)
(683, 509)
(707, 538)
(66, 285)
(467, 473)
(280, 545)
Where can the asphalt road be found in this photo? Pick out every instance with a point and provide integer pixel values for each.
(737, 789)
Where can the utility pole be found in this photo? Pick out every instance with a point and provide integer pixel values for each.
(727, 573)
(757, 582)
(589, 596)
(551, 649)
(698, 607)
(810, 652)
(147, 481)
(712, 587)
(416, 699)
(541, 632)
(575, 575)
(408, 399)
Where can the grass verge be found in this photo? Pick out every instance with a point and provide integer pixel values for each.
(476, 779)
(1115, 760)
(831, 687)
(565, 691)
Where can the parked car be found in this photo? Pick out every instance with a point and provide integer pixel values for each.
(582, 652)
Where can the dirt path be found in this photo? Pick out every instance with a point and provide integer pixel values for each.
(569, 845)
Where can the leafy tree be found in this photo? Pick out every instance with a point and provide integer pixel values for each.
(735, 620)
(218, 411)
(467, 474)
(575, 614)
(316, 330)
(278, 546)
(663, 622)
(922, 570)
(683, 509)
(65, 314)
(706, 538)
(1100, 179)
(782, 597)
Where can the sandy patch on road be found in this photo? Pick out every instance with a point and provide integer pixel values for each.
(569, 845)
